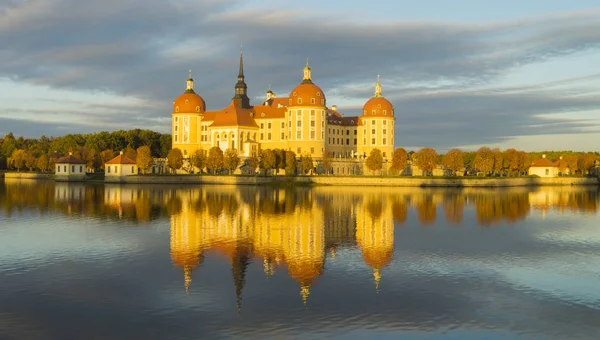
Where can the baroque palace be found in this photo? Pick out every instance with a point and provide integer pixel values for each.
(301, 123)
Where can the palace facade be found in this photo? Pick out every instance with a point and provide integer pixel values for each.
(301, 122)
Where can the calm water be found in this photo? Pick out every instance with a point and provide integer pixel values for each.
(155, 262)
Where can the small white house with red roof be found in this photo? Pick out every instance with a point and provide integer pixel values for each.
(543, 167)
(120, 166)
(69, 168)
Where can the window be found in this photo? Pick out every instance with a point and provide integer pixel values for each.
(197, 108)
(299, 151)
(322, 135)
(347, 141)
(318, 94)
(269, 136)
(373, 122)
(322, 101)
(176, 108)
(72, 168)
(176, 128)
(312, 113)
(384, 154)
(58, 168)
(298, 134)
(299, 100)
(354, 141)
(355, 132)
(282, 136)
(81, 168)
(312, 123)
(329, 130)
(373, 131)
(338, 141)
(185, 152)
(385, 112)
(269, 126)
(312, 150)
(329, 140)
(384, 142)
(132, 170)
(312, 100)
(299, 123)
(384, 131)
(312, 135)
(108, 169)
(262, 136)
(283, 125)
(373, 141)
(294, 94)
(347, 132)
(262, 125)
(373, 112)
(547, 172)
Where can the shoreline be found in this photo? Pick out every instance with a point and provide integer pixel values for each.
(329, 180)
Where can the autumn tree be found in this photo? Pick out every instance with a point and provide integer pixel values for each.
(326, 163)
(106, 156)
(484, 160)
(524, 162)
(267, 160)
(375, 161)
(399, 160)
(231, 160)
(426, 160)
(498, 161)
(42, 163)
(453, 160)
(144, 158)
(175, 159)
(290, 163)
(215, 159)
(562, 165)
(586, 162)
(279, 159)
(306, 164)
(18, 158)
(130, 153)
(253, 163)
(30, 161)
(198, 160)
(511, 159)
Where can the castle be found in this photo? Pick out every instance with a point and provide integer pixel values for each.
(301, 123)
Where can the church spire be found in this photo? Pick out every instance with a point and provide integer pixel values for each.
(307, 79)
(241, 89)
(378, 87)
(190, 83)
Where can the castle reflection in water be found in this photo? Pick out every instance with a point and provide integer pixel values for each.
(288, 229)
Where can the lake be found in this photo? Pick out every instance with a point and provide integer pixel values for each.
(93, 261)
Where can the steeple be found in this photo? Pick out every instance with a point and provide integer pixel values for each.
(190, 83)
(378, 87)
(307, 74)
(241, 89)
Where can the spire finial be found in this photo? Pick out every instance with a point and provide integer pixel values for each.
(378, 87)
(190, 74)
(241, 49)
(307, 62)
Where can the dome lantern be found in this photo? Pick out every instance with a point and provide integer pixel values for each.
(190, 83)
(307, 73)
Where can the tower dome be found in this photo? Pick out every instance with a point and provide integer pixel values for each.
(378, 105)
(307, 93)
(189, 101)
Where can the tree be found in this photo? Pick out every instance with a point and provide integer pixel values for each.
(426, 160)
(290, 163)
(453, 160)
(214, 161)
(279, 159)
(253, 163)
(524, 162)
(562, 165)
(106, 156)
(498, 161)
(267, 160)
(306, 164)
(326, 163)
(399, 160)
(175, 159)
(198, 160)
(484, 160)
(586, 162)
(30, 161)
(42, 163)
(130, 153)
(231, 160)
(375, 161)
(18, 158)
(144, 158)
(511, 159)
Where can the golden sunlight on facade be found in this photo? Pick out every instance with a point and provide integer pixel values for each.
(301, 122)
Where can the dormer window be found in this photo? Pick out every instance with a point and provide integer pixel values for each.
(294, 94)
(312, 100)
(176, 108)
(299, 100)
(318, 94)
(197, 108)
(385, 112)
(187, 101)
(373, 112)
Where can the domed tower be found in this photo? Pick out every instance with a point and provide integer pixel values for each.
(188, 111)
(306, 111)
(377, 130)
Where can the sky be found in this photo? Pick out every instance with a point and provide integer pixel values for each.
(520, 74)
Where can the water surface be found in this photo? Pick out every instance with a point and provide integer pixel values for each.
(194, 262)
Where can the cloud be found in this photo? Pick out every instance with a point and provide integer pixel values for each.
(144, 49)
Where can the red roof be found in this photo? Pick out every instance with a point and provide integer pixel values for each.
(543, 163)
(70, 159)
(233, 115)
(121, 159)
